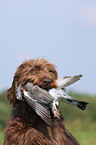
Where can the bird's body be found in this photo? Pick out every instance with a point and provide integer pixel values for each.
(60, 95)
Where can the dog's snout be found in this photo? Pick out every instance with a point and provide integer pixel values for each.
(46, 82)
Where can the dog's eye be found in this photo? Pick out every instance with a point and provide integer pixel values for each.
(34, 69)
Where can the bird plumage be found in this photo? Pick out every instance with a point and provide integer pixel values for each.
(42, 101)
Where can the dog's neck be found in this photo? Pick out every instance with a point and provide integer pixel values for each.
(26, 114)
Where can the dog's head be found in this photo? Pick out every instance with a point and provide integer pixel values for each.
(38, 71)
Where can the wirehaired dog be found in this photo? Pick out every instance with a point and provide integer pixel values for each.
(25, 127)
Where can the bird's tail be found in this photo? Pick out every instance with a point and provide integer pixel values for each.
(82, 105)
(70, 100)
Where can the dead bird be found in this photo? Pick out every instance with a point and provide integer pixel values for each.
(46, 102)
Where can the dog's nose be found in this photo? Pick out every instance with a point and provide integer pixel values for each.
(46, 82)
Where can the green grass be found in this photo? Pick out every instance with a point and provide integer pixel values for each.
(1, 138)
(81, 124)
(85, 137)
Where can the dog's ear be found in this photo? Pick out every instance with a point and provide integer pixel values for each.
(18, 78)
(11, 93)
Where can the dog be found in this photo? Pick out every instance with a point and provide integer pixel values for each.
(25, 127)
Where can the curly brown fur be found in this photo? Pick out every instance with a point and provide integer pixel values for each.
(25, 127)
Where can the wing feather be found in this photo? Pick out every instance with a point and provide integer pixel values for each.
(67, 80)
(42, 108)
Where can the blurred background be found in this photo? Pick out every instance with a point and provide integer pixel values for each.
(64, 33)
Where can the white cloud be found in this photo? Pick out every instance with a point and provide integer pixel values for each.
(87, 14)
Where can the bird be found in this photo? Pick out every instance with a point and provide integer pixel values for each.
(46, 102)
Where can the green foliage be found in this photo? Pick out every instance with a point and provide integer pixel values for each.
(82, 124)
(5, 110)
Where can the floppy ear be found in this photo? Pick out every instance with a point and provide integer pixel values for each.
(18, 78)
(11, 93)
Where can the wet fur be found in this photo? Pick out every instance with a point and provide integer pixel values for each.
(25, 127)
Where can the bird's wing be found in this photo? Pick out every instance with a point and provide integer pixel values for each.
(67, 80)
(19, 93)
(40, 100)
(39, 107)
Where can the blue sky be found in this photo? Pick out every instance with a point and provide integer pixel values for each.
(63, 32)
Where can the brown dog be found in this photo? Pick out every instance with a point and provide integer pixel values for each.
(25, 127)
